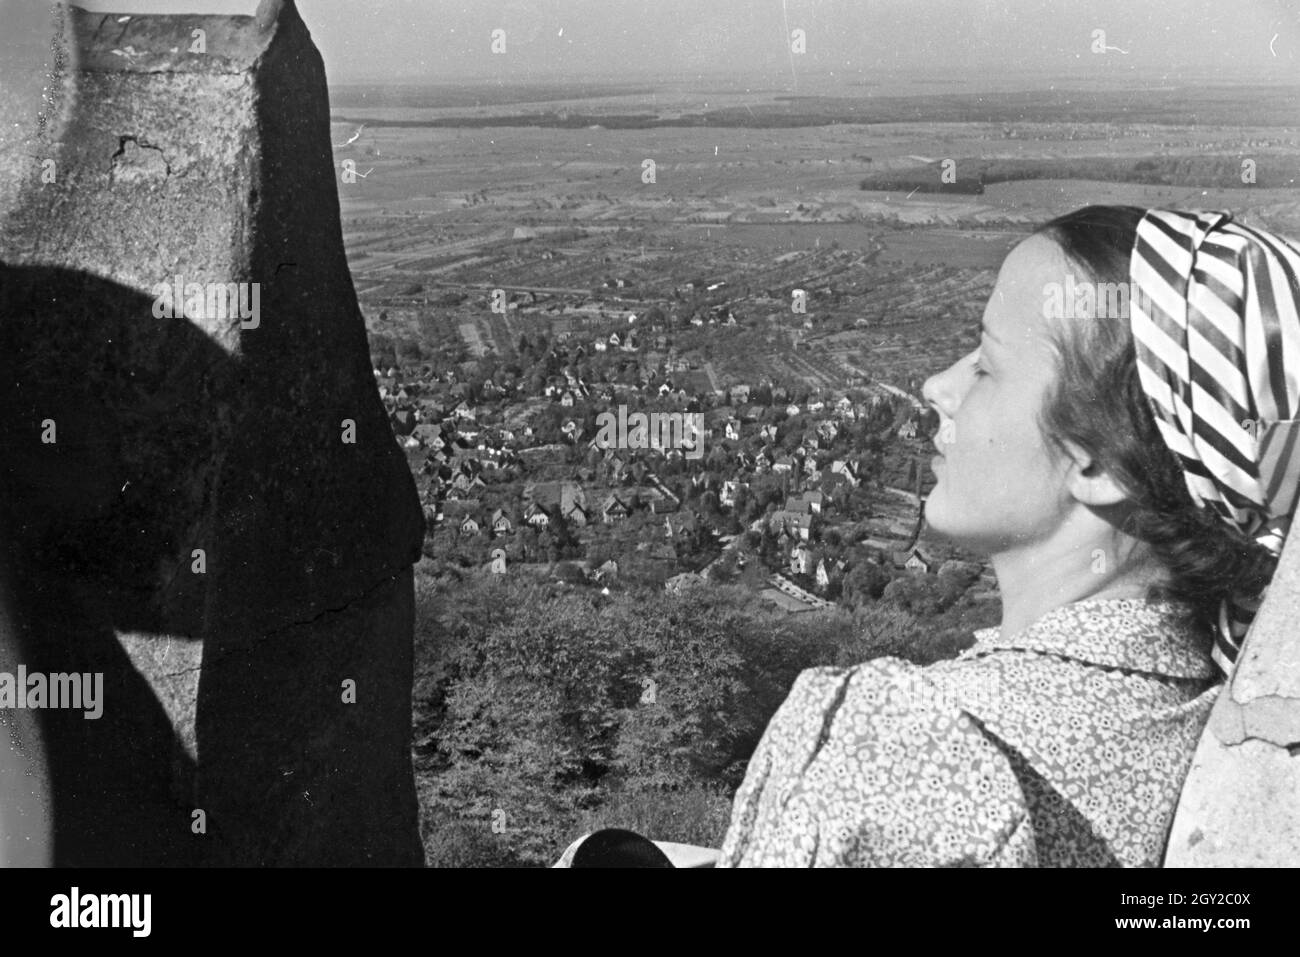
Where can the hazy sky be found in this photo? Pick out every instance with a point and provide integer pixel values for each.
(450, 39)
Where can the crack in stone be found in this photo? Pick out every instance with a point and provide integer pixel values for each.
(139, 144)
(364, 595)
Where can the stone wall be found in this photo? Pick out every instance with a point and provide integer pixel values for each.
(220, 520)
(1240, 806)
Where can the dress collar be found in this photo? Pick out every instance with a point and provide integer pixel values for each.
(1128, 633)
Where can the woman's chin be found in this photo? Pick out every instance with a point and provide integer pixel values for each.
(936, 510)
(943, 519)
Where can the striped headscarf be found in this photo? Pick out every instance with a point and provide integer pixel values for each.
(1214, 313)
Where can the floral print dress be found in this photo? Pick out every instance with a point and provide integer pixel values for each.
(1064, 745)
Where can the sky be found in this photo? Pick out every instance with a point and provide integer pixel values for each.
(446, 40)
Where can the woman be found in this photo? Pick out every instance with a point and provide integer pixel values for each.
(1129, 472)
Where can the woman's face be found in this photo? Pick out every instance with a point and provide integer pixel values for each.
(999, 486)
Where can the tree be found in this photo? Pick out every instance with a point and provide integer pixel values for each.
(915, 593)
(864, 584)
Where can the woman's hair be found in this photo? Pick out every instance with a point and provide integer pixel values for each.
(1098, 404)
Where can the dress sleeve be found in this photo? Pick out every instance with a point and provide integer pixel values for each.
(876, 766)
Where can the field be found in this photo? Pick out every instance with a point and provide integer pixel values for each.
(558, 213)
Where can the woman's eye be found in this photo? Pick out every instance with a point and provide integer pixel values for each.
(978, 369)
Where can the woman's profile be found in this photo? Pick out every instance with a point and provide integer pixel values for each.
(1129, 465)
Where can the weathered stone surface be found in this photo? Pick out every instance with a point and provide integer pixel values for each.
(1240, 806)
(209, 433)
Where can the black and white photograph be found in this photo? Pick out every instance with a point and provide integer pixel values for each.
(560, 434)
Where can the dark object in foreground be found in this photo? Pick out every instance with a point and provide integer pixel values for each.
(616, 847)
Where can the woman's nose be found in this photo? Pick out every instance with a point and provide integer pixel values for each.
(943, 392)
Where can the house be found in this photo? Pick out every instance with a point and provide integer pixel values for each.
(800, 559)
(730, 489)
(576, 514)
(768, 432)
(913, 560)
(823, 578)
(429, 435)
(662, 504)
(403, 422)
(500, 523)
(739, 394)
(683, 524)
(798, 525)
(827, 430)
(615, 340)
(848, 470)
(783, 464)
(607, 572)
(615, 467)
(536, 516)
(792, 409)
(732, 429)
(815, 501)
(469, 526)
(566, 399)
(907, 430)
(614, 510)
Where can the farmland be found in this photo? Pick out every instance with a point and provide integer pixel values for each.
(563, 217)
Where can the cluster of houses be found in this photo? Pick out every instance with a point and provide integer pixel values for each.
(463, 434)
(544, 505)
(803, 561)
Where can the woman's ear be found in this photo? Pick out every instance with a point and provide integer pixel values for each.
(1088, 482)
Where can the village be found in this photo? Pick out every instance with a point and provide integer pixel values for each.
(810, 498)
(503, 323)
